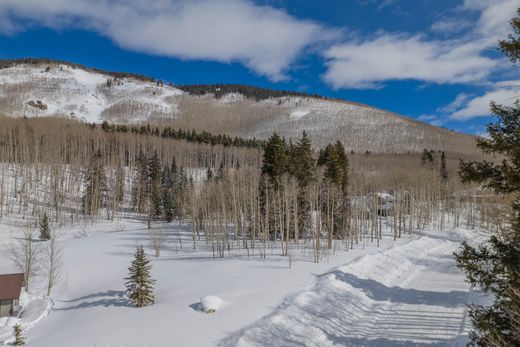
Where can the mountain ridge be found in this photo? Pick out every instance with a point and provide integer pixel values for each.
(42, 87)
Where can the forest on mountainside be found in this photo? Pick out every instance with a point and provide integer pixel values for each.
(284, 192)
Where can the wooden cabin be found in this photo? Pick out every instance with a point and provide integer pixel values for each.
(10, 290)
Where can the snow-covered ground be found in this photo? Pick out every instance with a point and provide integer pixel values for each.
(403, 293)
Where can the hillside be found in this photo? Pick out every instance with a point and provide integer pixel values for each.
(52, 88)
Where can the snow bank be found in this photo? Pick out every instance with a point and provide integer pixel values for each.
(34, 309)
(211, 303)
(410, 294)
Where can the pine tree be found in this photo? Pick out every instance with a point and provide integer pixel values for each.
(166, 188)
(304, 167)
(221, 171)
(443, 170)
(45, 231)
(303, 161)
(139, 285)
(168, 204)
(427, 157)
(154, 186)
(19, 340)
(335, 161)
(343, 218)
(274, 163)
(95, 185)
(494, 268)
(140, 184)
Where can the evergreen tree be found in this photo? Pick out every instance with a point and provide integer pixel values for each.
(45, 231)
(139, 285)
(181, 191)
(303, 161)
(304, 172)
(167, 188)
(443, 170)
(154, 186)
(221, 171)
(19, 340)
(427, 157)
(343, 217)
(511, 46)
(274, 163)
(168, 204)
(140, 186)
(95, 185)
(335, 160)
(494, 268)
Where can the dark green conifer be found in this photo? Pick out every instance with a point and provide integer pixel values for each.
(19, 340)
(154, 186)
(274, 163)
(494, 267)
(139, 285)
(45, 231)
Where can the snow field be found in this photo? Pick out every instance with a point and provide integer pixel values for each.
(406, 292)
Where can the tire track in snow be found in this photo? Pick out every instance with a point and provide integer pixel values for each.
(408, 295)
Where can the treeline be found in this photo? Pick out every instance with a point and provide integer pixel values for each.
(219, 89)
(157, 190)
(68, 142)
(435, 160)
(180, 134)
(257, 93)
(7, 63)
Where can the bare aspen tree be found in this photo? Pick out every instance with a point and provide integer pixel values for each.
(25, 253)
(54, 264)
(157, 239)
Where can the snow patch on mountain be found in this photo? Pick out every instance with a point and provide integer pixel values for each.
(299, 113)
(80, 94)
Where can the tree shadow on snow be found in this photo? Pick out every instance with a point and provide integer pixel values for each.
(379, 292)
(109, 298)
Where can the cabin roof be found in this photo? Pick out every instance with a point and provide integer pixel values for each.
(11, 286)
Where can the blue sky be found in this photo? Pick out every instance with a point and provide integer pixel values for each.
(433, 60)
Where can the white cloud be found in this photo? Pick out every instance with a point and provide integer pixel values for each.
(399, 57)
(368, 63)
(450, 25)
(456, 104)
(265, 39)
(505, 93)
(494, 17)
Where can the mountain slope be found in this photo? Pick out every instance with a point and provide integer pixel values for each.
(46, 89)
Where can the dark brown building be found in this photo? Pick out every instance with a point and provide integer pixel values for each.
(10, 289)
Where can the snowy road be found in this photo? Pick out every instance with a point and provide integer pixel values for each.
(408, 295)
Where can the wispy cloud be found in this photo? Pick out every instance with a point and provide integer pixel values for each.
(370, 62)
(367, 64)
(506, 93)
(264, 39)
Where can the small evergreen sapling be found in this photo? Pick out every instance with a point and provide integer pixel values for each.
(45, 231)
(139, 285)
(19, 340)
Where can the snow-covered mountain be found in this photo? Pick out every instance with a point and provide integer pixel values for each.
(60, 89)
